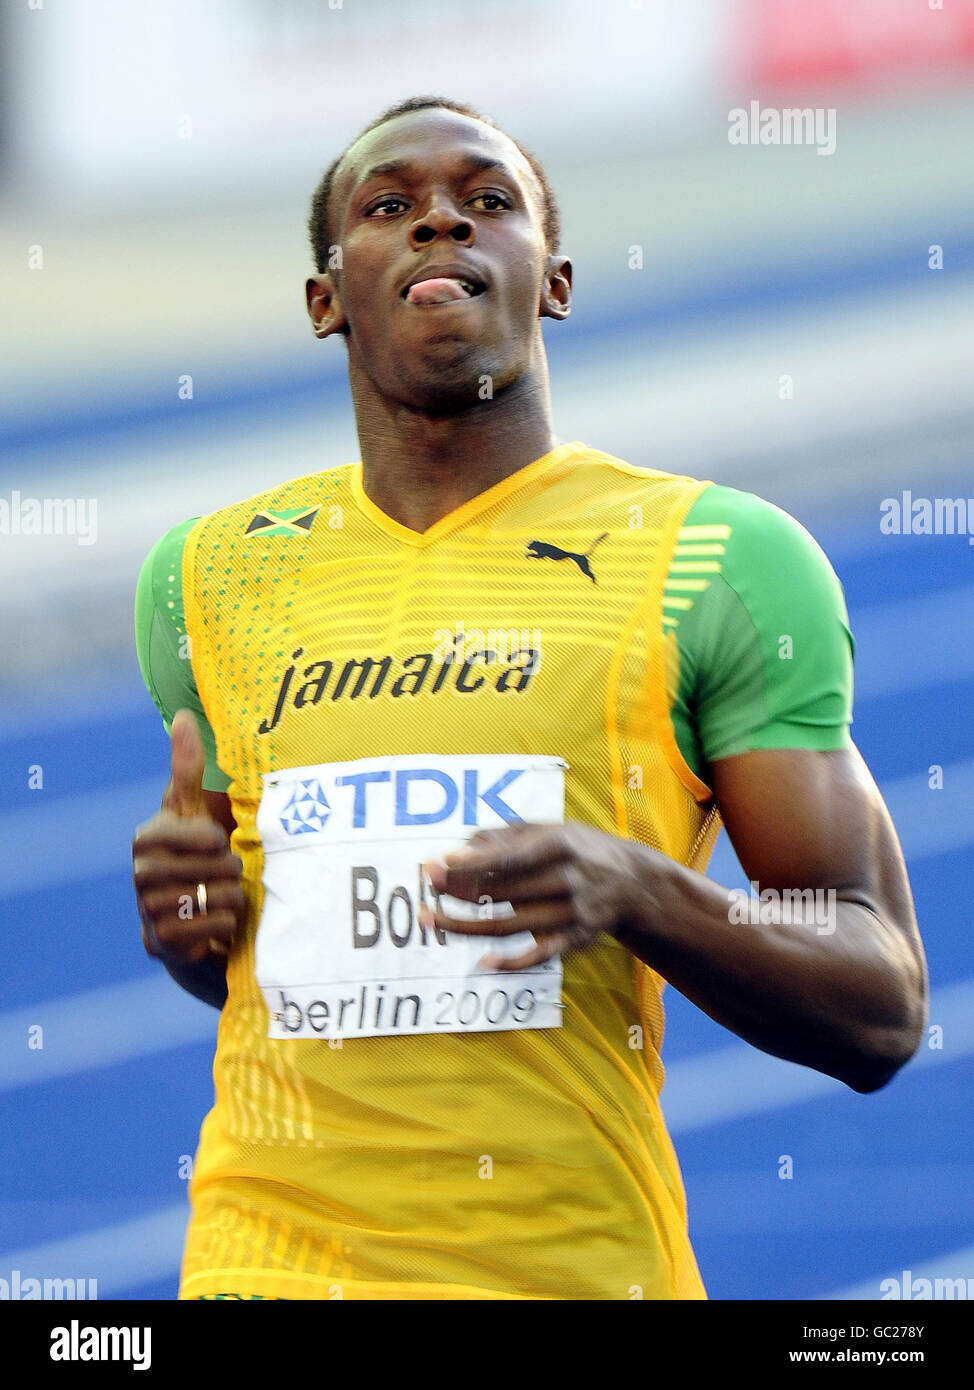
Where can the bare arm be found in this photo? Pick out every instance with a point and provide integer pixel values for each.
(850, 1001)
(847, 996)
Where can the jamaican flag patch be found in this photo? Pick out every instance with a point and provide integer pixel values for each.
(292, 521)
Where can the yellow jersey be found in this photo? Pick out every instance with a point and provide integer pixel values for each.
(390, 1123)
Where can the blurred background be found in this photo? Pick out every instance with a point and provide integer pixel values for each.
(789, 319)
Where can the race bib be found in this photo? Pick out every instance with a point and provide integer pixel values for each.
(340, 952)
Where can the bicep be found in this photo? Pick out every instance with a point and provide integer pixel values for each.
(799, 818)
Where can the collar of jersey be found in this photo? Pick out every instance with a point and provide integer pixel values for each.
(461, 515)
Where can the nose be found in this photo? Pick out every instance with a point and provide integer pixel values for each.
(441, 219)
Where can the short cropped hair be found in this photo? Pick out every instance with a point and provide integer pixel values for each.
(319, 225)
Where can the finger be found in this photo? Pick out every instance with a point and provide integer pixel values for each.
(180, 834)
(184, 795)
(174, 899)
(162, 866)
(172, 937)
(495, 860)
(552, 945)
(503, 887)
(178, 938)
(541, 916)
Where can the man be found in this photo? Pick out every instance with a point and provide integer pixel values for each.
(546, 675)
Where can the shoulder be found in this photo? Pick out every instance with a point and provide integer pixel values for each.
(765, 653)
(764, 549)
(161, 570)
(290, 502)
(607, 465)
(752, 519)
(599, 474)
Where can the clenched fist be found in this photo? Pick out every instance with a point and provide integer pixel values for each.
(187, 883)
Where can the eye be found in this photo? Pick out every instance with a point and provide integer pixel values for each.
(499, 200)
(384, 203)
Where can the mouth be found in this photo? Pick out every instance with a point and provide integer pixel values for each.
(443, 289)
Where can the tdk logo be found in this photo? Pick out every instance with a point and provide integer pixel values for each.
(416, 787)
(307, 809)
(410, 796)
(429, 797)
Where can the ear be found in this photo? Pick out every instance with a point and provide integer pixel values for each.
(556, 289)
(324, 306)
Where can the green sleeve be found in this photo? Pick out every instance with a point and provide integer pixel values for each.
(163, 646)
(762, 633)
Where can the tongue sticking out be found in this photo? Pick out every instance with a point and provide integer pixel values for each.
(438, 291)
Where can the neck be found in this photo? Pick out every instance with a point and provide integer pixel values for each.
(418, 467)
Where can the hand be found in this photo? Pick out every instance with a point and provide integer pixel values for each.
(566, 883)
(177, 850)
